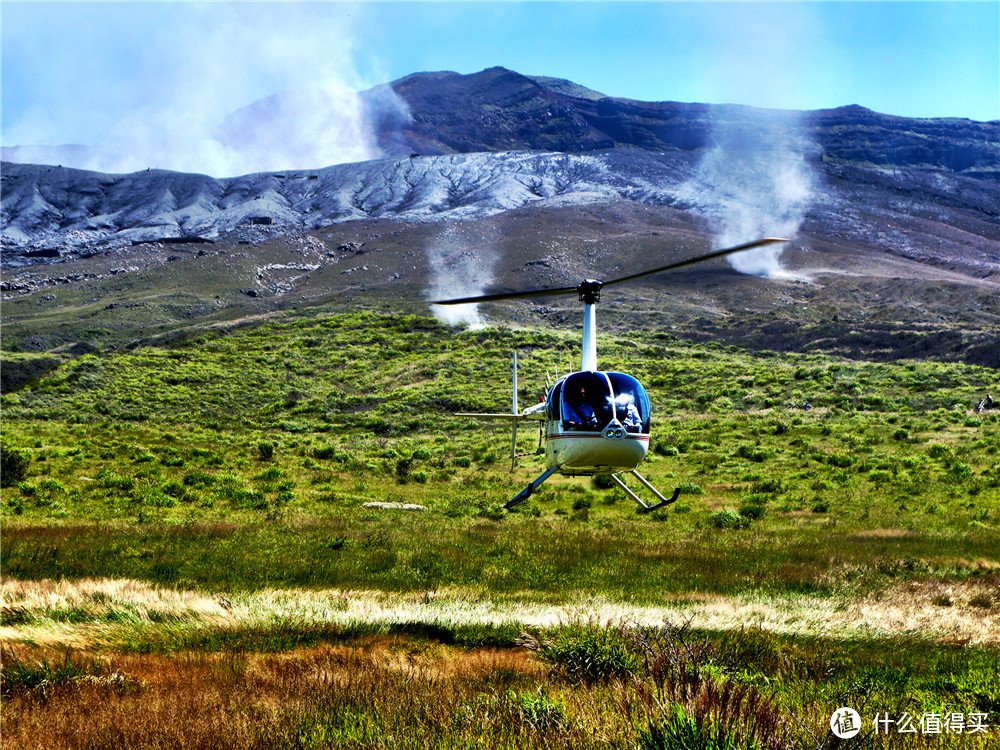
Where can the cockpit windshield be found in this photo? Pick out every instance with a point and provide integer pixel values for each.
(587, 401)
(631, 402)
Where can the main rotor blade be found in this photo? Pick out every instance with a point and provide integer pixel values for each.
(697, 259)
(507, 295)
(576, 289)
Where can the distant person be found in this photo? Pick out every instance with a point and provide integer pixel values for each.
(988, 401)
(578, 412)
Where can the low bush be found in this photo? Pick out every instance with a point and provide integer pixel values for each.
(728, 519)
(585, 653)
(13, 466)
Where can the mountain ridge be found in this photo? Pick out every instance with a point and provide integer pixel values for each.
(457, 112)
(498, 109)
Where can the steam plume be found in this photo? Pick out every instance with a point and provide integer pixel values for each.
(754, 183)
(461, 266)
(199, 94)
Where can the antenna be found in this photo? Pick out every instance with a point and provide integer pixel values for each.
(514, 411)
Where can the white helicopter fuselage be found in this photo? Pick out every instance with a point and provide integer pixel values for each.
(584, 454)
(612, 437)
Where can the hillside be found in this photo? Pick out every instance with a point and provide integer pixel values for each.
(896, 249)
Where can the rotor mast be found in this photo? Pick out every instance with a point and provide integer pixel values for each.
(590, 295)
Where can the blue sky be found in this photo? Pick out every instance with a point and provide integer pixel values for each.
(74, 72)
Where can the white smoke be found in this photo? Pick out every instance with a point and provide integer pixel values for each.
(200, 95)
(461, 266)
(754, 183)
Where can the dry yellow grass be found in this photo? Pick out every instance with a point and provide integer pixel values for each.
(382, 692)
(947, 611)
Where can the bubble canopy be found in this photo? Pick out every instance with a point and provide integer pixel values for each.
(589, 401)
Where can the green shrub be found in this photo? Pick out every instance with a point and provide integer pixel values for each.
(679, 731)
(198, 479)
(13, 466)
(728, 519)
(689, 488)
(540, 712)
(772, 485)
(490, 511)
(114, 481)
(663, 448)
(753, 453)
(960, 471)
(270, 474)
(51, 485)
(753, 510)
(602, 482)
(325, 453)
(586, 653)
(939, 450)
(840, 460)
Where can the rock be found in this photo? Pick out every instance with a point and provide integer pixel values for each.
(394, 506)
(43, 253)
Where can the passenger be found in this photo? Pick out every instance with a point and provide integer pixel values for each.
(631, 418)
(578, 413)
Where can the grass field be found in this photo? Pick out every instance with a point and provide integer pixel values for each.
(188, 562)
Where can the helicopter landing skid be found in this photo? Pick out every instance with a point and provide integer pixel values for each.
(643, 508)
(526, 492)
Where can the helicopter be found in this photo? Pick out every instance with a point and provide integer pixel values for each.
(595, 422)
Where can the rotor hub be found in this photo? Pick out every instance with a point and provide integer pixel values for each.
(590, 291)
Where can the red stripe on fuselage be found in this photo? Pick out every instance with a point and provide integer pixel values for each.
(564, 435)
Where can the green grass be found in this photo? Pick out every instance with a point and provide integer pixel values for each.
(240, 460)
(261, 445)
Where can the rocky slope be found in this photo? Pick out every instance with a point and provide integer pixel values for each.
(52, 212)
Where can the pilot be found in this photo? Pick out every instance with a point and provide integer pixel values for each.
(578, 412)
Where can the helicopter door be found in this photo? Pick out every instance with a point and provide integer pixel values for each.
(586, 402)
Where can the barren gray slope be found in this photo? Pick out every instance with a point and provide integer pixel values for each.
(939, 216)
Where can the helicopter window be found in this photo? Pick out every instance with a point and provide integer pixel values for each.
(586, 402)
(632, 406)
